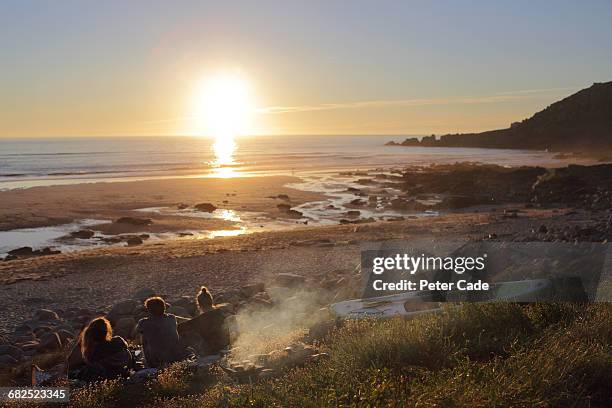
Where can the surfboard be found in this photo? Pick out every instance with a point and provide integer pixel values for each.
(420, 302)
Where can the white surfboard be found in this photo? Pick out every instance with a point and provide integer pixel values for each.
(419, 302)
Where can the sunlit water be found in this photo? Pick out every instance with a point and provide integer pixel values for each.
(224, 148)
(31, 162)
(47, 237)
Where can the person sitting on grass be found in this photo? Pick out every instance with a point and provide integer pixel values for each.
(206, 333)
(99, 355)
(160, 339)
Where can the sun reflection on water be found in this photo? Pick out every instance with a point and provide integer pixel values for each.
(224, 172)
(227, 233)
(228, 215)
(224, 147)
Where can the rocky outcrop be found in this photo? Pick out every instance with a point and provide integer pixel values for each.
(186, 303)
(465, 184)
(358, 202)
(205, 207)
(133, 241)
(587, 187)
(582, 122)
(122, 309)
(47, 331)
(83, 234)
(288, 212)
(45, 315)
(28, 252)
(294, 214)
(125, 326)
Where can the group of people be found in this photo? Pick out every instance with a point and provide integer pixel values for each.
(165, 339)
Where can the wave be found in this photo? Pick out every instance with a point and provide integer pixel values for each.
(56, 154)
(207, 166)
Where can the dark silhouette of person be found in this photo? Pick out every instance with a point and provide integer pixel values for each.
(99, 355)
(207, 332)
(160, 339)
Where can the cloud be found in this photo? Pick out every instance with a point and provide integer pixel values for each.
(501, 97)
(539, 90)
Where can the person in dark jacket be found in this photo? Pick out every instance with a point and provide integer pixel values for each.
(160, 338)
(207, 332)
(103, 356)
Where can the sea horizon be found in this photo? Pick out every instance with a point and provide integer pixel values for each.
(56, 161)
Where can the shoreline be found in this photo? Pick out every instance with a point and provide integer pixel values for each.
(241, 205)
(82, 216)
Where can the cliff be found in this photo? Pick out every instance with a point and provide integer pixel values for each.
(580, 123)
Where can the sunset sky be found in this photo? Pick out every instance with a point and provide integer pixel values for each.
(92, 68)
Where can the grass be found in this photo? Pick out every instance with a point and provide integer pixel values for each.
(478, 355)
(548, 355)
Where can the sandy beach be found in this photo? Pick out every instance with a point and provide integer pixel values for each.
(53, 205)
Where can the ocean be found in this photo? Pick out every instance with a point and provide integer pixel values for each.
(53, 161)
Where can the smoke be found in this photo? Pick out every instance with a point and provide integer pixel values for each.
(263, 328)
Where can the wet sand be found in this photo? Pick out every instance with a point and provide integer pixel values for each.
(54, 205)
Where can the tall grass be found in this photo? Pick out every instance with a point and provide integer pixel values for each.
(477, 355)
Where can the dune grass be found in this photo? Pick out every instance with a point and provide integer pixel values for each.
(478, 355)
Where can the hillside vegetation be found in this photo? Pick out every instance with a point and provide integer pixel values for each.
(478, 355)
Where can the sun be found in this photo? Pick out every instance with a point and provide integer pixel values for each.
(224, 109)
(224, 105)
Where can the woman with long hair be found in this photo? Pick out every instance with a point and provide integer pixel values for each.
(105, 356)
(97, 332)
